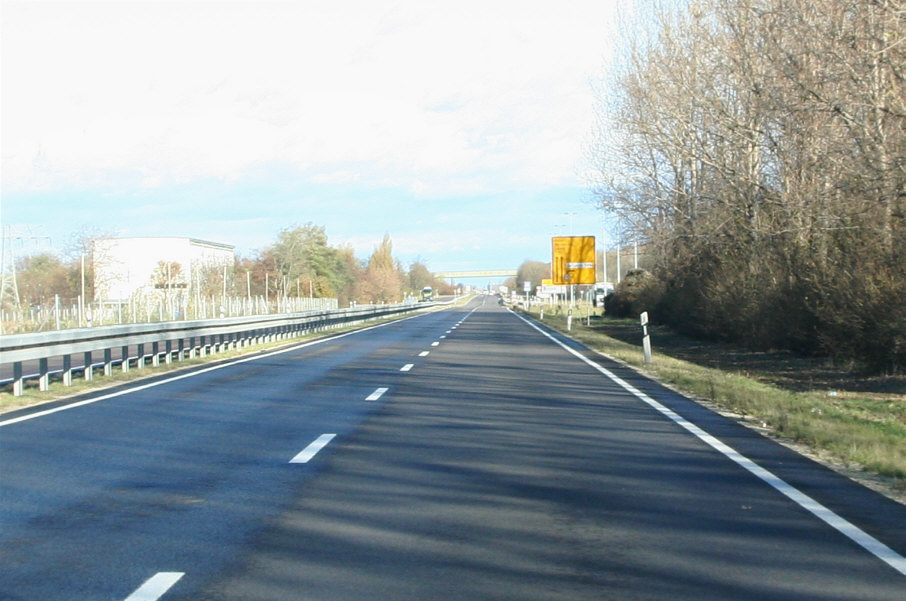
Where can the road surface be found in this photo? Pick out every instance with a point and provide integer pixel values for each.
(462, 454)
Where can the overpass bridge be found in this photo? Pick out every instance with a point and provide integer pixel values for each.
(488, 273)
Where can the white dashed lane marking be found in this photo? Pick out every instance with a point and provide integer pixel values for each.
(311, 450)
(378, 393)
(155, 587)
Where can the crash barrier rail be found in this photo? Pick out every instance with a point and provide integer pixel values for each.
(170, 340)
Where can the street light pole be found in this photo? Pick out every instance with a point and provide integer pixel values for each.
(604, 253)
(571, 301)
(570, 222)
(82, 295)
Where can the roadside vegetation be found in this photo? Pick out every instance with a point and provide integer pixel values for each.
(299, 264)
(850, 428)
(758, 151)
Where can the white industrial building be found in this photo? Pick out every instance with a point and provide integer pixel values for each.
(127, 267)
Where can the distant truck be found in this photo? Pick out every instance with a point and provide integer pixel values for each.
(427, 294)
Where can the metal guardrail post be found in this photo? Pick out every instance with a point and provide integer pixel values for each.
(67, 370)
(44, 378)
(17, 378)
(108, 362)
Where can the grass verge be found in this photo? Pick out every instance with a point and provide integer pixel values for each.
(850, 431)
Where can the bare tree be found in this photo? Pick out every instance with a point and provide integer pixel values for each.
(760, 146)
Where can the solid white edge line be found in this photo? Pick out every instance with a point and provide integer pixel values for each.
(155, 587)
(378, 393)
(312, 449)
(848, 529)
(194, 373)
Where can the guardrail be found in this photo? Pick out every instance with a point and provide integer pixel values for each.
(170, 340)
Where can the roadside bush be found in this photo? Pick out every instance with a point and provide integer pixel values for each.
(639, 291)
(862, 312)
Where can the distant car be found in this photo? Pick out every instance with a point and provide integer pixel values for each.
(427, 294)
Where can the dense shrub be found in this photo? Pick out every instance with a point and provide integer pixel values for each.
(639, 291)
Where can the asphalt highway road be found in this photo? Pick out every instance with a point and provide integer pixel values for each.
(461, 454)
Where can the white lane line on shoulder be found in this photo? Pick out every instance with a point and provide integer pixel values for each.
(435, 343)
(155, 587)
(424, 353)
(378, 393)
(840, 524)
(407, 367)
(311, 450)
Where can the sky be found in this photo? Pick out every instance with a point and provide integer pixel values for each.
(458, 128)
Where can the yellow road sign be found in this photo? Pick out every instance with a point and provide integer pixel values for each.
(573, 260)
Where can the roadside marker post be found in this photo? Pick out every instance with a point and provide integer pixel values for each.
(646, 339)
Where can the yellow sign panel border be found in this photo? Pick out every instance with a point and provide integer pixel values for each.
(573, 260)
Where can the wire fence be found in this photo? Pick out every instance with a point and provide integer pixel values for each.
(61, 315)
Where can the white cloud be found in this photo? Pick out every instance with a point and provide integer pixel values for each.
(431, 97)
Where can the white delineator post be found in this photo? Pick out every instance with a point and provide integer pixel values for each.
(646, 339)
